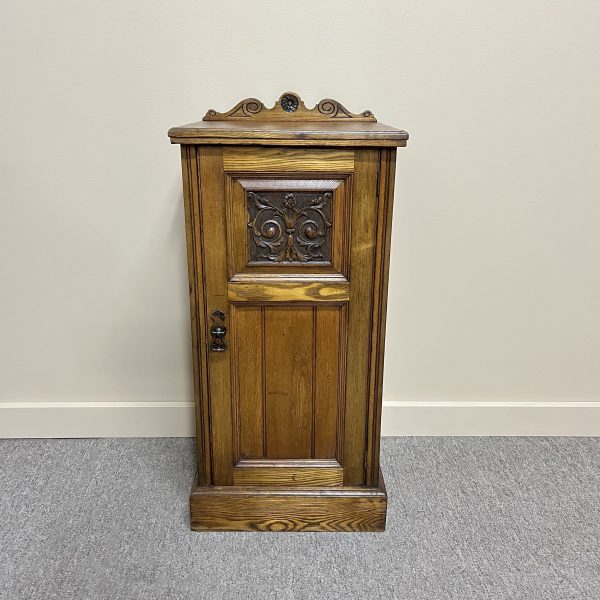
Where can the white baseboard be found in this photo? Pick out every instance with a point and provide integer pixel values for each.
(490, 418)
(96, 419)
(175, 419)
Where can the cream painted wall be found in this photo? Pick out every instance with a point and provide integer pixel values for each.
(495, 277)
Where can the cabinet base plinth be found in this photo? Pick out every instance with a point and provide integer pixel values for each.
(253, 508)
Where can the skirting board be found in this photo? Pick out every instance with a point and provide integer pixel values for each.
(175, 419)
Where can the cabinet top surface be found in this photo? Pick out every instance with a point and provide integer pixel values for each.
(289, 122)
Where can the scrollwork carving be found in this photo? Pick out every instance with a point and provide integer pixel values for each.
(332, 108)
(289, 227)
(244, 109)
(289, 107)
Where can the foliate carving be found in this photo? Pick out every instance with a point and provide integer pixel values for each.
(287, 227)
(289, 107)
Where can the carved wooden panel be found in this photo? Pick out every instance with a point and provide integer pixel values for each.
(289, 227)
(289, 362)
(289, 107)
(285, 225)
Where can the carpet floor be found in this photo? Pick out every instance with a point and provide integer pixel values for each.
(469, 518)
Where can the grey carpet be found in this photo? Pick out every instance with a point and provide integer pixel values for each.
(468, 518)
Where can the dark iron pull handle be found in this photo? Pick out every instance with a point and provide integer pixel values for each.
(218, 331)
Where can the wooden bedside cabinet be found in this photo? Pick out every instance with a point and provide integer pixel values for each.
(288, 218)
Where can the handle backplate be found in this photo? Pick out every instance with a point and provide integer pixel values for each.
(218, 331)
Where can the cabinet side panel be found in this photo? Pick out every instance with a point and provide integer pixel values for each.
(384, 231)
(248, 367)
(197, 311)
(214, 250)
(289, 381)
(362, 268)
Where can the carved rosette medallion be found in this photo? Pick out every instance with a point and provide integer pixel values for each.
(286, 227)
(289, 102)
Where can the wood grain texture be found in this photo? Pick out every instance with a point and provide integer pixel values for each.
(270, 398)
(328, 356)
(289, 107)
(247, 349)
(288, 509)
(285, 291)
(362, 268)
(288, 342)
(288, 476)
(380, 293)
(273, 140)
(335, 134)
(197, 310)
(287, 160)
(215, 286)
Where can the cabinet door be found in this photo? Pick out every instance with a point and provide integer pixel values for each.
(290, 248)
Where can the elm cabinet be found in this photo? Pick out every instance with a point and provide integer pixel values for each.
(288, 217)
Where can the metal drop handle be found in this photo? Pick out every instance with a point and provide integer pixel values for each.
(218, 331)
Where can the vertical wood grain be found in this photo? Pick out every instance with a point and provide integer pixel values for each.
(197, 311)
(380, 293)
(248, 363)
(289, 381)
(342, 379)
(362, 267)
(214, 249)
(327, 384)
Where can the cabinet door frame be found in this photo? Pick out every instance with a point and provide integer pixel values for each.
(206, 219)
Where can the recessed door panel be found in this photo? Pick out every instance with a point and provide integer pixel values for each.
(288, 363)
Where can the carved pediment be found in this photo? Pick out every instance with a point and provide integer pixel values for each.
(289, 107)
